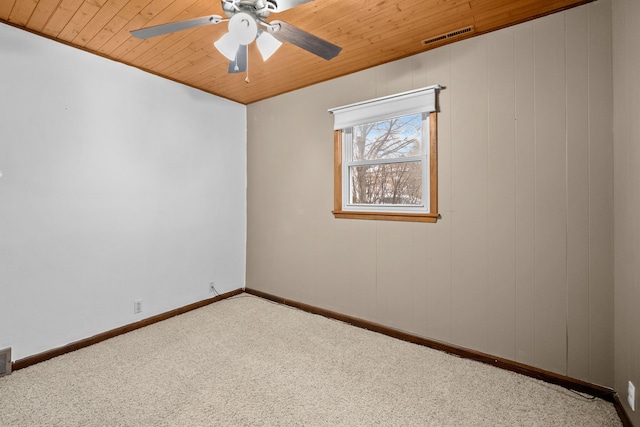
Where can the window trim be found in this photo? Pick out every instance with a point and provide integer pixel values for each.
(430, 217)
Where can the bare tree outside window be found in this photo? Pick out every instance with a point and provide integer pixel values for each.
(387, 168)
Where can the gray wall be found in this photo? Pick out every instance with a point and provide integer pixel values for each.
(117, 185)
(626, 63)
(521, 263)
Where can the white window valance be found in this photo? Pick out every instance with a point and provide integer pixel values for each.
(414, 101)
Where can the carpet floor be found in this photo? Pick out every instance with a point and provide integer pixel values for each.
(246, 361)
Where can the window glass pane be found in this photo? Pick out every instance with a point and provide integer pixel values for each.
(387, 184)
(388, 139)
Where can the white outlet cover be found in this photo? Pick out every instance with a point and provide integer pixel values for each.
(631, 396)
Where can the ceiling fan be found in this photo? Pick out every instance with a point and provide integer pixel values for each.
(247, 23)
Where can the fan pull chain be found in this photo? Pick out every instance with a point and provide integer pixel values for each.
(247, 78)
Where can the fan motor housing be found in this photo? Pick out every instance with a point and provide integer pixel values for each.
(258, 8)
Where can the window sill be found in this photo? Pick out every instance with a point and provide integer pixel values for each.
(387, 216)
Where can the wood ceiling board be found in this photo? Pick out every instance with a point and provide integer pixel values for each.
(490, 16)
(102, 18)
(174, 52)
(371, 32)
(164, 49)
(122, 35)
(21, 11)
(413, 33)
(152, 14)
(60, 16)
(6, 6)
(135, 15)
(172, 65)
(395, 15)
(41, 15)
(194, 54)
(78, 21)
(106, 33)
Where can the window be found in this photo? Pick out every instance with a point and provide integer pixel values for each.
(386, 158)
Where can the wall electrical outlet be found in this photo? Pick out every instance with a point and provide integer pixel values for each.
(631, 396)
(137, 306)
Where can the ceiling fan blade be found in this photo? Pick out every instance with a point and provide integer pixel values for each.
(239, 65)
(281, 5)
(158, 30)
(307, 41)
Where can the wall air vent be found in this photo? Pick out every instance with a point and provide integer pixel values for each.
(5, 362)
(447, 36)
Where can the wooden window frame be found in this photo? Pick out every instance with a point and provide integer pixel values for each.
(431, 216)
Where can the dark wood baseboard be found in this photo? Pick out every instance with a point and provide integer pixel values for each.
(622, 413)
(530, 371)
(50, 354)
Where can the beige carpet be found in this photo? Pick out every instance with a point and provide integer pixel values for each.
(248, 362)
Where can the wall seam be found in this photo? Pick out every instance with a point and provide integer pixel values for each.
(589, 332)
(515, 196)
(535, 192)
(450, 201)
(488, 194)
(566, 198)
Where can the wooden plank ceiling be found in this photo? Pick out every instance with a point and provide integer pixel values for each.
(371, 32)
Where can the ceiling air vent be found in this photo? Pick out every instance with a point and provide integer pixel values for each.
(5, 362)
(447, 36)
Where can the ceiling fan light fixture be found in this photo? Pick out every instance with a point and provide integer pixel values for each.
(267, 45)
(228, 46)
(243, 27)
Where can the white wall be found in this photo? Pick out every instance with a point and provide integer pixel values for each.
(521, 263)
(117, 185)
